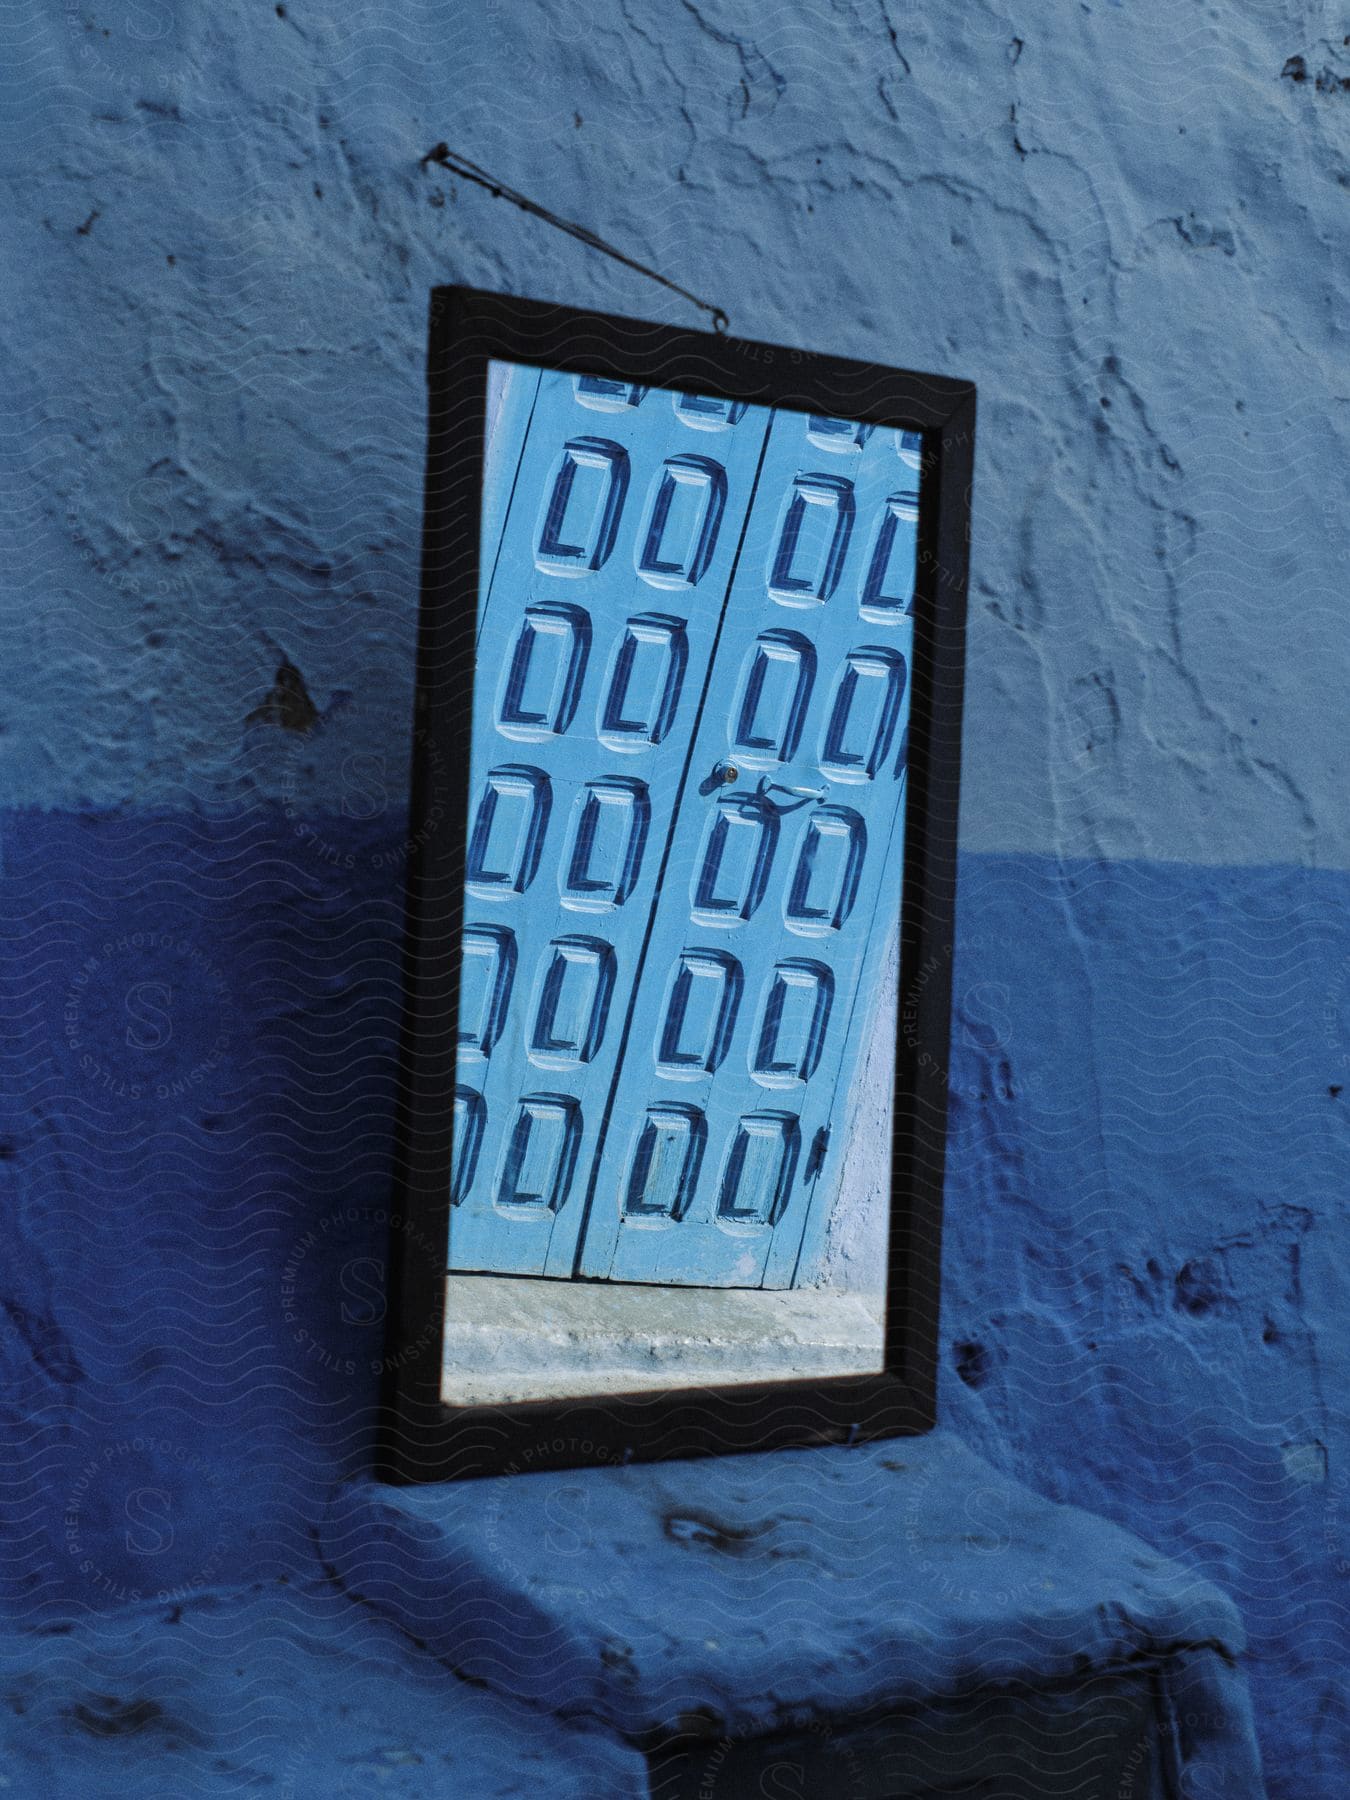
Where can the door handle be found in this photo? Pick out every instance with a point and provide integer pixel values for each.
(725, 773)
(801, 796)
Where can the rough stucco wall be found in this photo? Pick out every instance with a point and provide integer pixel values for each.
(1125, 222)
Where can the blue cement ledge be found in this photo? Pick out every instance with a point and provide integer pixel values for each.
(279, 1689)
(762, 1595)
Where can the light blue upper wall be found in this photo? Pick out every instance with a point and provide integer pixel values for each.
(1121, 220)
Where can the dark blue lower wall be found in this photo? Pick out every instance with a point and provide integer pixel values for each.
(1144, 1312)
(198, 1096)
(1145, 1253)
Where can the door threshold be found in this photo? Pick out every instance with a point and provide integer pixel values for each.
(512, 1338)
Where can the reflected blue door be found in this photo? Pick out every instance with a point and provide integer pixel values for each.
(684, 839)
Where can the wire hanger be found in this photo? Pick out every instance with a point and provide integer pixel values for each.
(445, 158)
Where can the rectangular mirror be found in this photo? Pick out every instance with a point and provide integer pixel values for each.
(680, 632)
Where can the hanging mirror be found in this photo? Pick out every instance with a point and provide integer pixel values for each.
(681, 899)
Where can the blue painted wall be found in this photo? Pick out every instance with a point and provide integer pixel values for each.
(1125, 222)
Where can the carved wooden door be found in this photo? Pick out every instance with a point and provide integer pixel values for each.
(685, 827)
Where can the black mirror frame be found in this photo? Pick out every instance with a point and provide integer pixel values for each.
(421, 1438)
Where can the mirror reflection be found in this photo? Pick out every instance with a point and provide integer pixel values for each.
(682, 893)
